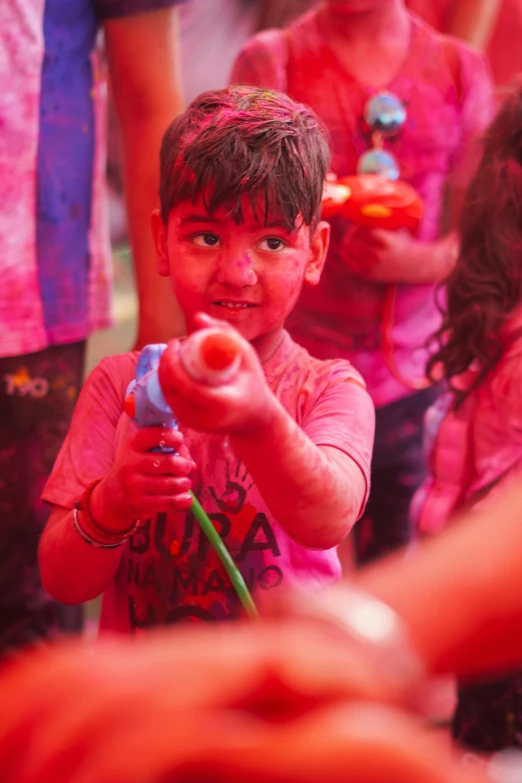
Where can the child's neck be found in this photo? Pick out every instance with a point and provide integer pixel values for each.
(267, 345)
(372, 46)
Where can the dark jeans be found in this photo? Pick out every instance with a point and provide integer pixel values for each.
(37, 396)
(488, 717)
(398, 470)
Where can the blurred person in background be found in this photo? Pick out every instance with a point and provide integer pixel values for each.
(343, 59)
(54, 251)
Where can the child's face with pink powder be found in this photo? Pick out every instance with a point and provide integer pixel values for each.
(248, 273)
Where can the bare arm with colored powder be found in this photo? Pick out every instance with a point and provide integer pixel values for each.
(461, 593)
(143, 55)
(316, 493)
(311, 479)
(473, 21)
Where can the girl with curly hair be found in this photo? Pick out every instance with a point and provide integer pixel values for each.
(477, 448)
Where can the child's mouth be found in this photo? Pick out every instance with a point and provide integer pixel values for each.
(234, 305)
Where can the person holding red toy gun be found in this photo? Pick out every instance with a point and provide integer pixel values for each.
(402, 105)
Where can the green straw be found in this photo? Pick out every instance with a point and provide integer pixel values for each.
(234, 574)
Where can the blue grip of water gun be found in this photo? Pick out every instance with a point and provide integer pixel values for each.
(151, 406)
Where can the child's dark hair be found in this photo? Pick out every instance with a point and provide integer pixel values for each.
(486, 285)
(246, 140)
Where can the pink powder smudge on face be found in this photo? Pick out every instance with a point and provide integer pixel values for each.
(251, 276)
(244, 262)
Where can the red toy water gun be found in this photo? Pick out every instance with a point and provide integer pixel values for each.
(378, 202)
(374, 201)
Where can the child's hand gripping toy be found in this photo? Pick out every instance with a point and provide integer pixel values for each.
(210, 356)
(373, 200)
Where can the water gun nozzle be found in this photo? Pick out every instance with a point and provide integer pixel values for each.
(129, 406)
(219, 351)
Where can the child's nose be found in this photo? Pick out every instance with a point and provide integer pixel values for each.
(236, 271)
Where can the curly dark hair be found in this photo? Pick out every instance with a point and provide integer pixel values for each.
(246, 140)
(485, 286)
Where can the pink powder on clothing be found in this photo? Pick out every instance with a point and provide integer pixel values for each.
(167, 571)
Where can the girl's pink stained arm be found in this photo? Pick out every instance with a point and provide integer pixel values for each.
(71, 570)
(473, 21)
(315, 487)
(460, 594)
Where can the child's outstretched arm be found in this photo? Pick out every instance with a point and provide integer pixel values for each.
(316, 492)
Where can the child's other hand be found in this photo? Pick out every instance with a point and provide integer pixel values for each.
(381, 255)
(237, 407)
(143, 483)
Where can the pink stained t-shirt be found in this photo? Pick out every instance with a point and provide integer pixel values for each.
(474, 452)
(168, 572)
(447, 92)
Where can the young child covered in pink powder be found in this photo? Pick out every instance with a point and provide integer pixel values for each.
(279, 457)
(338, 59)
(476, 429)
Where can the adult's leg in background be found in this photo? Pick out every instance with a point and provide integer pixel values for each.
(398, 469)
(489, 714)
(37, 396)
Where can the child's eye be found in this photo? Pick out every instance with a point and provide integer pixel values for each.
(205, 240)
(272, 243)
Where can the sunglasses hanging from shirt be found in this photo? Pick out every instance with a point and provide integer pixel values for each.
(384, 115)
(377, 198)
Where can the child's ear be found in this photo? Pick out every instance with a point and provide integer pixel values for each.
(159, 235)
(318, 250)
